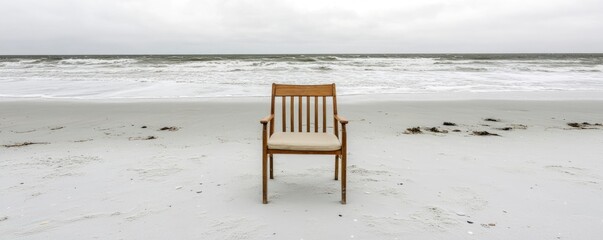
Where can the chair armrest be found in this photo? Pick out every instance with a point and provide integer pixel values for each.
(267, 119)
(341, 119)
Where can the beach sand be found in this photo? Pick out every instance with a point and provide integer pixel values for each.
(106, 170)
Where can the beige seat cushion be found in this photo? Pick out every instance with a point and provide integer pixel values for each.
(304, 141)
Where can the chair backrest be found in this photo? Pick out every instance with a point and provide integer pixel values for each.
(300, 95)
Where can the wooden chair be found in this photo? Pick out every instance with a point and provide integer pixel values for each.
(309, 142)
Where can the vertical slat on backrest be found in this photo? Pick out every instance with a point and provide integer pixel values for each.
(292, 113)
(315, 113)
(272, 103)
(335, 123)
(308, 114)
(299, 117)
(284, 114)
(324, 114)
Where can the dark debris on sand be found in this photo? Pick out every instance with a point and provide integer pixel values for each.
(491, 120)
(417, 130)
(436, 130)
(584, 125)
(143, 138)
(23, 144)
(576, 125)
(413, 130)
(513, 126)
(484, 133)
(449, 124)
(171, 129)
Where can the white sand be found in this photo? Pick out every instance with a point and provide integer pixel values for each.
(94, 178)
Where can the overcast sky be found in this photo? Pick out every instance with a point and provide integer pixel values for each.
(299, 26)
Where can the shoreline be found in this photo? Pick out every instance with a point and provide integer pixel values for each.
(357, 98)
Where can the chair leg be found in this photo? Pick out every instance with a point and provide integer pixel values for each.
(336, 167)
(343, 177)
(271, 172)
(264, 179)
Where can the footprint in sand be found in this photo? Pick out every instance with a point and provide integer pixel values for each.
(433, 217)
(466, 198)
(233, 228)
(573, 171)
(575, 174)
(389, 226)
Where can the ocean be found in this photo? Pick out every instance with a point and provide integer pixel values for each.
(198, 76)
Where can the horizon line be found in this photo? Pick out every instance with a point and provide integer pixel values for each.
(274, 54)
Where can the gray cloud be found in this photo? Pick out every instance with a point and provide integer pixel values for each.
(287, 26)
